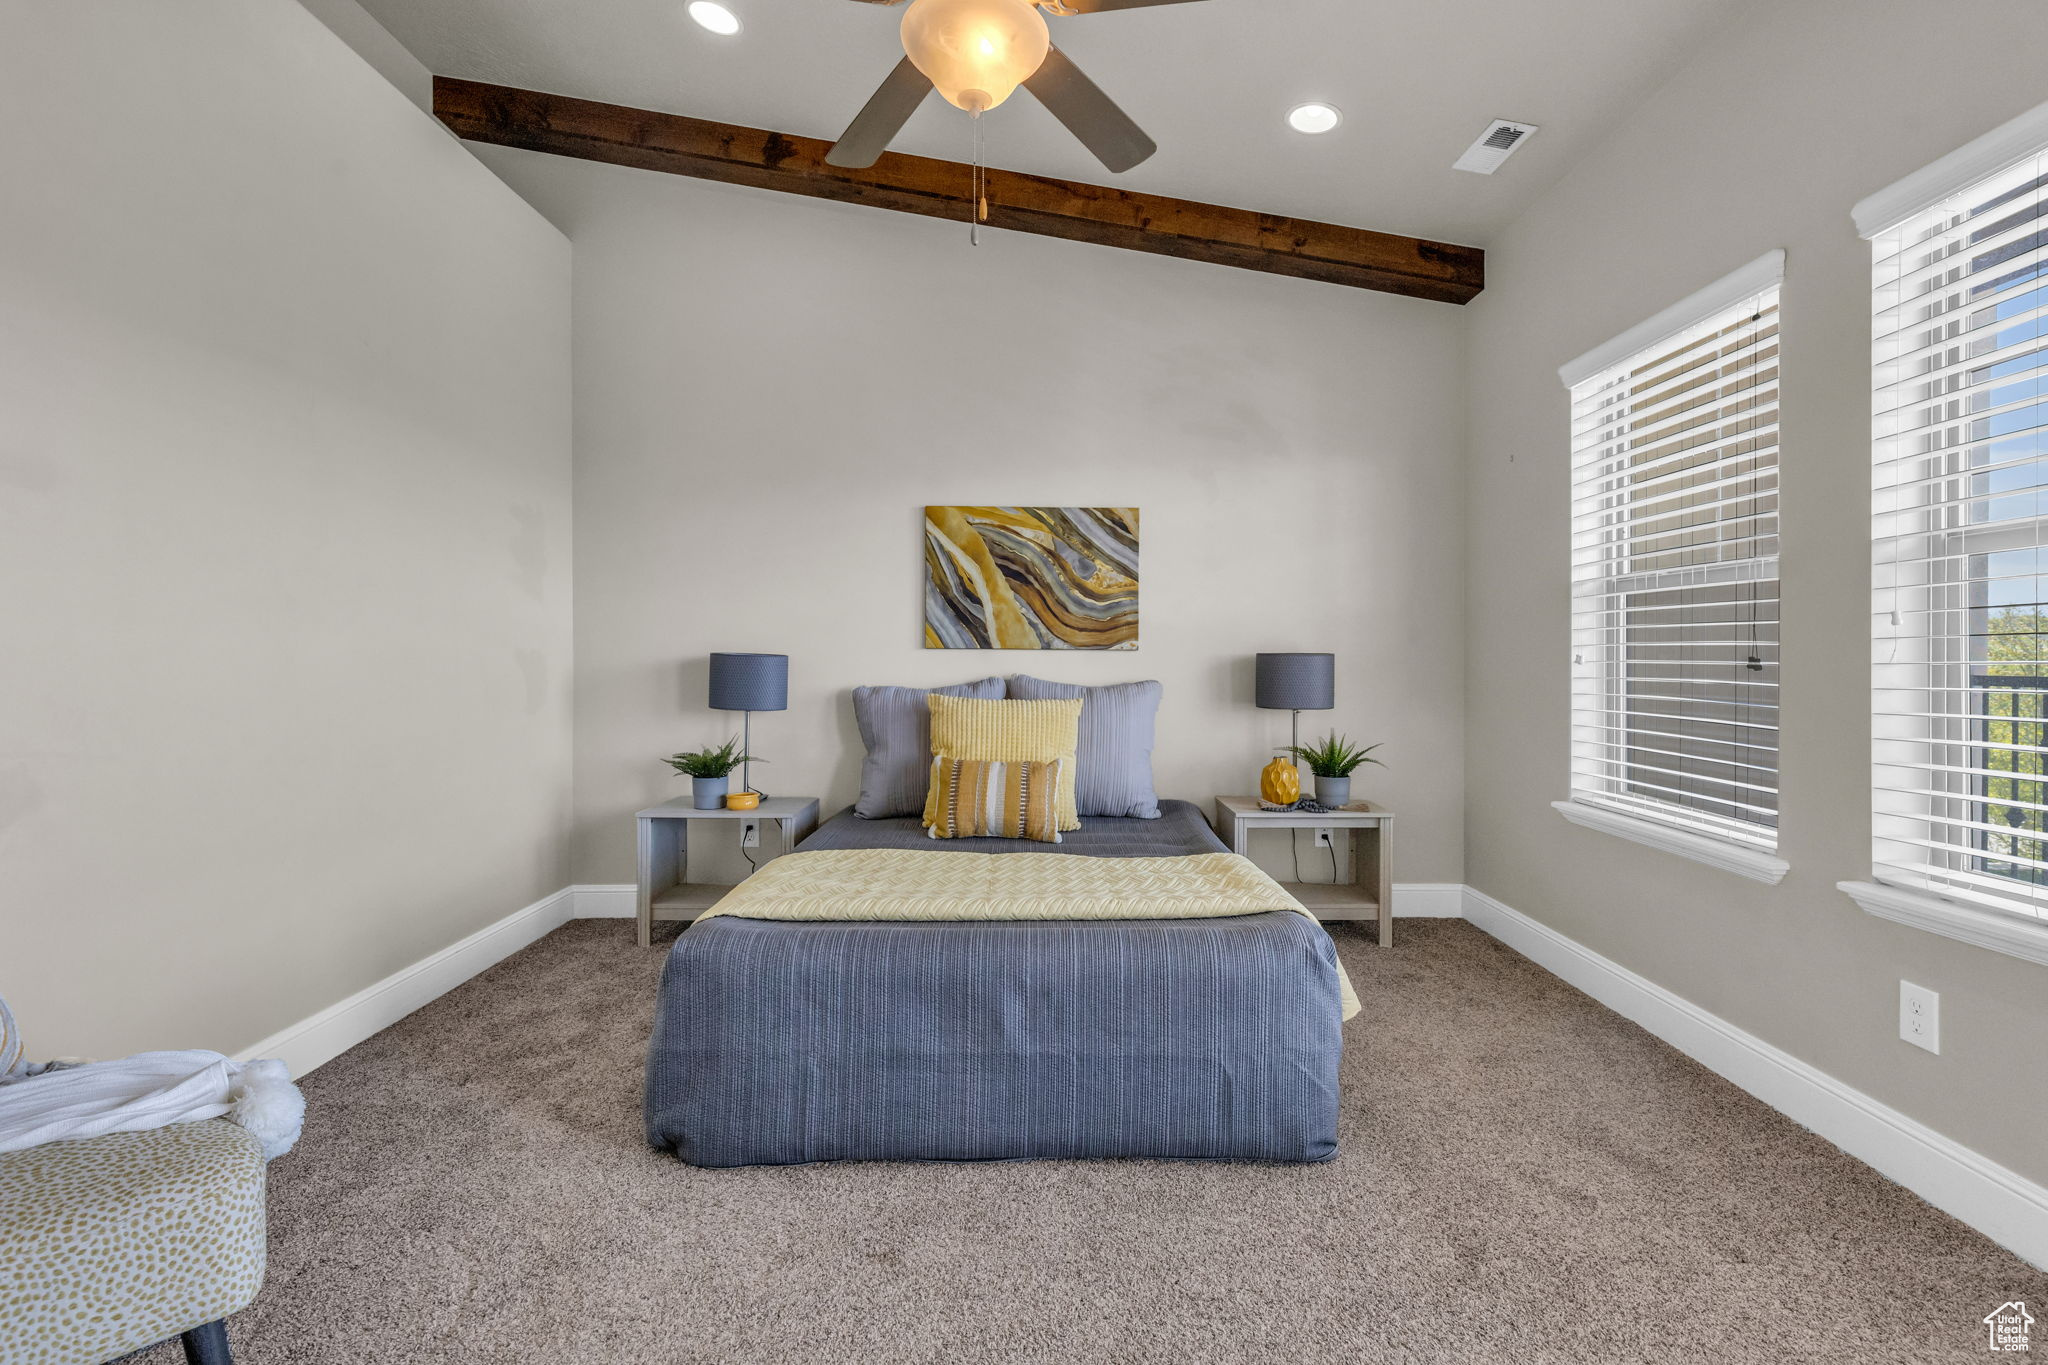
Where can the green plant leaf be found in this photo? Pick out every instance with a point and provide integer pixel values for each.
(709, 762)
(1333, 756)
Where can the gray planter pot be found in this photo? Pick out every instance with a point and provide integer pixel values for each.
(708, 793)
(1333, 791)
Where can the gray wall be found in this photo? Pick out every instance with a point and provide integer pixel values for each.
(372, 42)
(1765, 139)
(284, 528)
(769, 390)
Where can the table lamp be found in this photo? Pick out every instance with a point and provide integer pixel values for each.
(1297, 683)
(749, 683)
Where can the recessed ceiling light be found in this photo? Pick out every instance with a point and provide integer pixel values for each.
(1314, 118)
(716, 17)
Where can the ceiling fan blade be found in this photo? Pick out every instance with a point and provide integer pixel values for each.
(1097, 6)
(877, 124)
(1089, 114)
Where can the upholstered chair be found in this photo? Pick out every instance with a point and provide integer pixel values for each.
(110, 1244)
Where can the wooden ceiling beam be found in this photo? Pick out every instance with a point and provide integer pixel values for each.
(537, 122)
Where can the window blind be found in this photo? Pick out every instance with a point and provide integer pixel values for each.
(1675, 573)
(1960, 499)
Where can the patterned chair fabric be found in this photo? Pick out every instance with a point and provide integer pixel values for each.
(113, 1243)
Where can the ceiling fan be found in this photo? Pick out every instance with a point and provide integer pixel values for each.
(976, 53)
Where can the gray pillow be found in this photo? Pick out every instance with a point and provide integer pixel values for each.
(896, 725)
(1113, 761)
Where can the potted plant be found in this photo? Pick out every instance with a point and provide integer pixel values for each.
(710, 771)
(1333, 759)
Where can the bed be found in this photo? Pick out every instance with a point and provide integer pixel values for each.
(785, 1041)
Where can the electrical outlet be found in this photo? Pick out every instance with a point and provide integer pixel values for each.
(1323, 838)
(750, 834)
(1920, 1016)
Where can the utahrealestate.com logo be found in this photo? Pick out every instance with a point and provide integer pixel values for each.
(2008, 1324)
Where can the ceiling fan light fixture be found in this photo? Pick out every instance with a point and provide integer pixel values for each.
(711, 15)
(976, 52)
(1314, 117)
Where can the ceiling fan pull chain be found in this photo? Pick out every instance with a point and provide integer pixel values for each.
(979, 211)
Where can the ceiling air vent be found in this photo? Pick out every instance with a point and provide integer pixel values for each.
(1494, 146)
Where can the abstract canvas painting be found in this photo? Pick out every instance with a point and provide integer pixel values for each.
(1031, 578)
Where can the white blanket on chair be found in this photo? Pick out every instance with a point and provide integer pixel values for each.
(150, 1090)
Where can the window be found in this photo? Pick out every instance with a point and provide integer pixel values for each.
(1960, 503)
(1675, 570)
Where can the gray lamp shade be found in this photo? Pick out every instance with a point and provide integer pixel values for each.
(1297, 682)
(750, 682)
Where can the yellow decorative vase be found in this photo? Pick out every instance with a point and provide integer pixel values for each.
(1279, 784)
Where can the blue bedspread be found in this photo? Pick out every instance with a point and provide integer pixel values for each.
(779, 1042)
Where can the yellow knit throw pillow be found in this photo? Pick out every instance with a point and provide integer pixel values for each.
(1006, 800)
(1009, 732)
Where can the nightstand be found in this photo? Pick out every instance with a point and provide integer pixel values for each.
(1368, 896)
(665, 890)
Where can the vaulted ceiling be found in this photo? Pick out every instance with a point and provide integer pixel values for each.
(1211, 81)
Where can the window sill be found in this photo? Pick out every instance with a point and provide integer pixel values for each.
(1986, 928)
(1729, 857)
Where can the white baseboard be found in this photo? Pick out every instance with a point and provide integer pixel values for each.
(2002, 1204)
(326, 1035)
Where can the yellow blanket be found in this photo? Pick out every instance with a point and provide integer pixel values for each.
(913, 884)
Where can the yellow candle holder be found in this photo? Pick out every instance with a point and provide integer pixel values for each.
(743, 801)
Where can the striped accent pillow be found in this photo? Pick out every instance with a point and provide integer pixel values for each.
(1043, 731)
(977, 797)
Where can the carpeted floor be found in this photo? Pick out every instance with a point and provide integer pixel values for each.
(1525, 1177)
